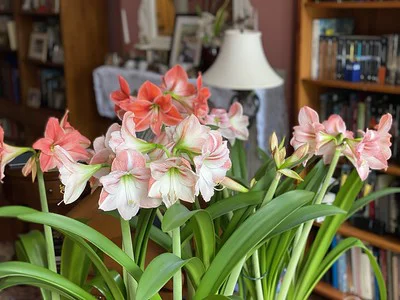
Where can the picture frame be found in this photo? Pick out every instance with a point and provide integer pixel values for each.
(38, 46)
(34, 98)
(186, 41)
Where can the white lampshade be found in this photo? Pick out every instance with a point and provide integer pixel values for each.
(241, 64)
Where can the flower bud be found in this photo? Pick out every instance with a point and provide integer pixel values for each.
(234, 185)
(273, 142)
(297, 157)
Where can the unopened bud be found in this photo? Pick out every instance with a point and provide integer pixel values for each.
(297, 157)
(273, 142)
(234, 185)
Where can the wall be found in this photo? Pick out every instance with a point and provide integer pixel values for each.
(276, 21)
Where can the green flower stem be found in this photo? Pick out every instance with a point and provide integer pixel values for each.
(51, 257)
(131, 284)
(233, 278)
(272, 189)
(298, 248)
(257, 275)
(176, 249)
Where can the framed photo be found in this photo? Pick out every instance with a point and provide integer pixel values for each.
(38, 46)
(187, 41)
(34, 98)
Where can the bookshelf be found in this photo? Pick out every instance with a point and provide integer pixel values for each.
(370, 18)
(83, 30)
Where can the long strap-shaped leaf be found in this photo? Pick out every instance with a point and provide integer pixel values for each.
(144, 223)
(16, 273)
(247, 236)
(334, 255)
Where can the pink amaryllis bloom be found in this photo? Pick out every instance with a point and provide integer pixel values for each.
(30, 168)
(200, 103)
(8, 153)
(212, 164)
(55, 135)
(232, 124)
(121, 97)
(126, 187)
(172, 180)
(74, 176)
(152, 109)
(125, 138)
(84, 141)
(331, 136)
(373, 151)
(307, 130)
(190, 135)
(176, 82)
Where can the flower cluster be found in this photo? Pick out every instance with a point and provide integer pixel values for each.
(370, 151)
(163, 151)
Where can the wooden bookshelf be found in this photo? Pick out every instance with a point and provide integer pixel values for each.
(83, 29)
(370, 18)
(354, 5)
(357, 86)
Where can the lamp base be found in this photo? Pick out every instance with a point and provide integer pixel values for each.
(250, 102)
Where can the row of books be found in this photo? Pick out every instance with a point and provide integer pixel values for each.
(41, 6)
(362, 110)
(338, 54)
(352, 273)
(13, 132)
(8, 33)
(10, 81)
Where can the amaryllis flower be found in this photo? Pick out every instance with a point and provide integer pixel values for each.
(121, 97)
(125, 138)
(165, 139)
(172, 180)
(74, 176)
(84, 141)
(126, 187)
(8, 153)
(331, 136)
(232, 125)
(30, 167)
(190, 135)
(55, 135)
(200, 103)
(307, 130)
(212, 164)
(152, 109)
(176, 82)
(373, 151)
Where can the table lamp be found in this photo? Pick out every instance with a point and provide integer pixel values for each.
(242, 66)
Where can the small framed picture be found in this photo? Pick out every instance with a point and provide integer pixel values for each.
(34, 98)
(38, 46)
(186, 42)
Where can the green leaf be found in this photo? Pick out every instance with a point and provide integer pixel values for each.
(233, 203)
(204, 236)
(176, 216)
(145, 221)
(221, 297)
(195, 269)
(69, 225)
(256, 228)
(16, 273)
(75, 264)
(14, 211)
(158, 272)
(156, 235)
(99, 284)
(34, 246)
(314, 178)
(305, 214)
(360, 203)
(334, 255)
(291, 174)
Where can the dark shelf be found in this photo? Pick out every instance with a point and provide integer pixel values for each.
(47, 64)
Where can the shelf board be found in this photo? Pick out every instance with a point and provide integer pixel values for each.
(381, 241)
(358, 86)
(39, 14)
(354, 5)
(46, 64)
(326, 290)
(393, 170)
(6, 12)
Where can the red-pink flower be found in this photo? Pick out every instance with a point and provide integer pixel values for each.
(172, 180)
(126, 187)
(373, 151)
(54, 135)
(212, 164)
(121, 97)
(307, 130)
(84, 141)
(176, 82)
(8, 153)
(327, 139)
(200, 103)
(153, 109)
